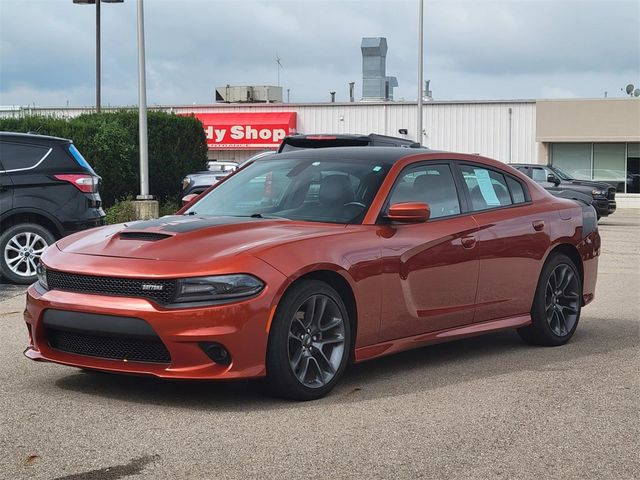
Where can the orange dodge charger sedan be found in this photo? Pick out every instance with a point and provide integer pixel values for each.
(301, 262)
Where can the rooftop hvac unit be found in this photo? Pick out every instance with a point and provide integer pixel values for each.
(249, 94)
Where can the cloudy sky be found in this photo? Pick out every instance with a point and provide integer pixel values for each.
(482, 49)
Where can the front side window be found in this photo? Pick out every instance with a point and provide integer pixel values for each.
(334, 191)
(430, 184)
(487, 188)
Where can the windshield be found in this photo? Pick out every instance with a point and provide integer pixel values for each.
(562, 174)
(335, 191)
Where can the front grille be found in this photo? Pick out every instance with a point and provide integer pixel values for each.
(611, 194)
(150, 350)
(126, 287)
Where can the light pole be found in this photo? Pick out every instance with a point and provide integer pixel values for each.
(97, 3)
(420, 68)
(142, 110)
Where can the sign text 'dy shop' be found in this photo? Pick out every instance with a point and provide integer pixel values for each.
(247, 130)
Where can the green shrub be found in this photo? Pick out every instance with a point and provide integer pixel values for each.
(109, 142)
(169, 207)
(120, 212)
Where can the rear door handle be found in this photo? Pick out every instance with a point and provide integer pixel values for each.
(538, 225)
(468, 242)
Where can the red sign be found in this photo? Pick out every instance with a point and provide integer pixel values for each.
(250, 131)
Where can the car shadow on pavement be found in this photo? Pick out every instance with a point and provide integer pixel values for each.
(423, 369)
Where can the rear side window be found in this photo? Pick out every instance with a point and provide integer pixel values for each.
(487, 188)
(17, 156)
(430, 184)
(517, 191)
(75, 153)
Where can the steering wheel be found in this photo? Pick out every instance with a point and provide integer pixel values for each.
(355, 203)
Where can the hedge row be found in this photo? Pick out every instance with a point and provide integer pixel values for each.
(109, 142)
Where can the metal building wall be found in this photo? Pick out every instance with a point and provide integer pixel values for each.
(483, 127)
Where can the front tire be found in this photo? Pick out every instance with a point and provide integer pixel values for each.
(557, 304)
(20, 248)
(309, 342)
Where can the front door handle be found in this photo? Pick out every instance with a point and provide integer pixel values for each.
(468, 242)
(538, 225)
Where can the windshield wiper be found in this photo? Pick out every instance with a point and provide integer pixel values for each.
(260, 215)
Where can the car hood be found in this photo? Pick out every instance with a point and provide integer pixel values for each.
(186, 238)
(587, 183)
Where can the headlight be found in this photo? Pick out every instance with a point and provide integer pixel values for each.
(598, 192)
(41, 270)
(219, 287)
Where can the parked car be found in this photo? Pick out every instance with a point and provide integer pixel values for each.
(47, 191)
(196, 183)
(603, 195)
(302, 262)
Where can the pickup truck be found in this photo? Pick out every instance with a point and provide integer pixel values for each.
(603, 195)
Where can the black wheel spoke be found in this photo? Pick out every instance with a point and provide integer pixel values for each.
(320, 378)
(302, 376)
(309, 313)
(328, 341)
(295, 338)
(295, 361)
(321, 357)
(321, 306)
(332, 323)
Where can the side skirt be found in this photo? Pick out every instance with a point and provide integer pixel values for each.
(398, 345)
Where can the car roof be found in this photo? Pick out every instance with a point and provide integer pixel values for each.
(30, 136)
(387, 155)
(352, 136)
(529, 165)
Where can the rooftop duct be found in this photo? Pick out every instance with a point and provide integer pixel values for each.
(376, 85)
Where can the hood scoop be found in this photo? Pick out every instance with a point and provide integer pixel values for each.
(144, 236)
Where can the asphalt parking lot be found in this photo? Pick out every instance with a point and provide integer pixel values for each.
(488, 407)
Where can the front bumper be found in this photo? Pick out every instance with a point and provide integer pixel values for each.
(604, 206)
(242, 328)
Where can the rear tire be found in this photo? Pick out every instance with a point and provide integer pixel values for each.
(309, 342)
(20, 248)
(557, 304)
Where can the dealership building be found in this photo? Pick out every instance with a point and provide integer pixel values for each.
(595, 139)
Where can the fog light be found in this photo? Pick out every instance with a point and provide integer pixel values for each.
(216, 352)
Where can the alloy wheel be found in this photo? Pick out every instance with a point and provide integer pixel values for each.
(562, 296)
(22, 253)
(316, 341)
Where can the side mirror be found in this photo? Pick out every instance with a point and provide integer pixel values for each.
(551, 178)
(187, 199)
(409, 212)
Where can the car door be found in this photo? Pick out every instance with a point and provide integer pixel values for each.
(431, 268)
(6, 188)
(513, 236)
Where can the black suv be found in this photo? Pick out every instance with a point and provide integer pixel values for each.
(602, 195)
(47, 191)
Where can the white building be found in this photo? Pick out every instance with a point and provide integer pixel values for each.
(592, 139)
